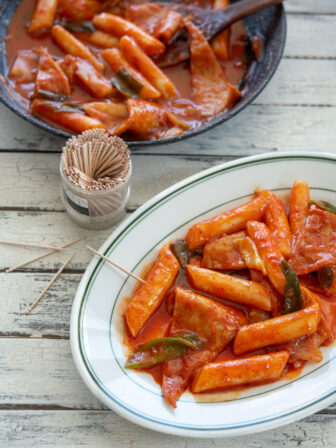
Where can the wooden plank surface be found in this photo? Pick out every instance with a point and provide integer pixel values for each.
(297, 82)
(51, 377)
(52, 381)
(310, 36)
(43, 401)
(254, 130)
(27, 173)
(311, 6)
(302, 82)
(103, 429)
(20, 291)
(46, 228)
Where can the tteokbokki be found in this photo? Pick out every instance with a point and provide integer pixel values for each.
(245, 298)
(85, 64)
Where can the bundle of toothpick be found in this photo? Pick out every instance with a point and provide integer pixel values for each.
(95, 161)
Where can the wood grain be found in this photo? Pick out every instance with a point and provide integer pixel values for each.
(310, 36)
(256, 129)
(21, 289)
(47, 227)
(301, 82)
(27, 173)
(311, 6)
(40, 373)
(104, 429)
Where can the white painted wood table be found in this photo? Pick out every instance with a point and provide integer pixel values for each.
(43, 401)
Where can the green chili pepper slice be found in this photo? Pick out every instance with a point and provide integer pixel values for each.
(158, 350)
(46, 95)
(324, 205)
(180, 250)
(76, 106)
(70, 107)
(139, 360)
(58, 102)
(188, 339)
(129, 79)
(325, 276)
(293, 294)
(126, 83)
(79, 26)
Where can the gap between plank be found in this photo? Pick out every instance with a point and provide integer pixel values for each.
(43, 271)
(313, 58)
(309, 13)
(42, 407)
(18, 335)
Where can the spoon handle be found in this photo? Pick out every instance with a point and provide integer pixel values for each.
(237, 11)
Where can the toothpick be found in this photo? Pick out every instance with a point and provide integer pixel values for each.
(116, 265)
(102, 158)
(61, 269)
(46, 254)
(40, 246)
(64, 160)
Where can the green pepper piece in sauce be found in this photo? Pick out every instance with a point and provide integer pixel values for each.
(293, 294)
(70, 108)
(158, 350)
(129, 80)
(46, 95)
(63, 106)
(125, 82)
(80, 26)
(324, 205)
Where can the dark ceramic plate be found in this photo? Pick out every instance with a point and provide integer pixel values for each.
(269, 24)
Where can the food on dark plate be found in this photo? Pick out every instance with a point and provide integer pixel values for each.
(246, 298)
(84, 64)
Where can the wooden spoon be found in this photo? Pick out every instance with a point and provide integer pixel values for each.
(210, 22)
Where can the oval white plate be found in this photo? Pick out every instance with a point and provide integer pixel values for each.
(96, 322)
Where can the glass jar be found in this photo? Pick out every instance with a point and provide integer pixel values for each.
(95, 209)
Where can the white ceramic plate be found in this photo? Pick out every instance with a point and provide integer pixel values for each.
(96, 322)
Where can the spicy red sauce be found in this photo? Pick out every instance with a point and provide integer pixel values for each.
(18, 39)
(158, 326)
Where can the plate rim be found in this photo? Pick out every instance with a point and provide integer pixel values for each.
(94, 263)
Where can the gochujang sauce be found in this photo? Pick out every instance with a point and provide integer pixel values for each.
(210, 264)
(187, 114)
